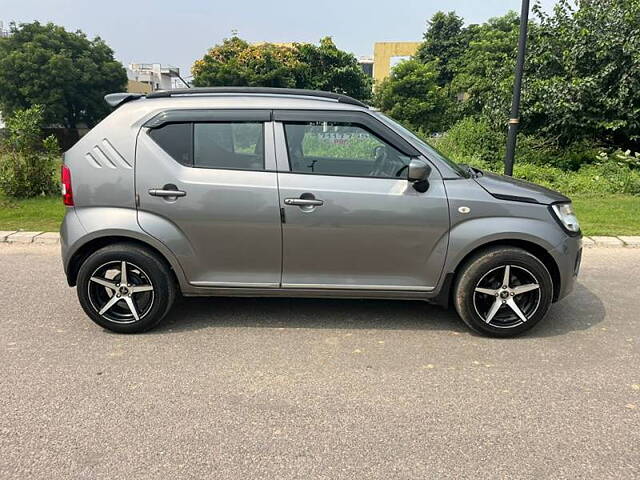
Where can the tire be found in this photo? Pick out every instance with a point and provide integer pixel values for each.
(151, 288)
(486, 307)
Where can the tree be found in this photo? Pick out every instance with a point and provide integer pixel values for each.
(65, 72)
(412, 96)
(444, 42)
(238, 63)
(483, 72)
(584, 72)
(300, 65)
(325, 67)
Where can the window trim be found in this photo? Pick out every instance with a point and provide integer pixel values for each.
(207, 116)
(357, 124)
(364, 119)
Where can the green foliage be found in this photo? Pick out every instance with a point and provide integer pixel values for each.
(64, 72)
(472, 138)
(582, 80)
(411, 94)
(320, 67)
(27, 163)
(444, 41)
(584, 72)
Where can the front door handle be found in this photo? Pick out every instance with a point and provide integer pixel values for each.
(303, 202)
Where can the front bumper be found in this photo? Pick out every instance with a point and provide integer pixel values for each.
(568, 257)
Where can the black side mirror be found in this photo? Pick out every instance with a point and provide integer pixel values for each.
(418, 175)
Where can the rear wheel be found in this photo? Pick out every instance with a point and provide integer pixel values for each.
(503, 291)
(125, 288)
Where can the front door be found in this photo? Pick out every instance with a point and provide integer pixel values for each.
(352, 220)
(223, 222)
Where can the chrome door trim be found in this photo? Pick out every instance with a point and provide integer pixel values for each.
(329, 286)
(234, 284)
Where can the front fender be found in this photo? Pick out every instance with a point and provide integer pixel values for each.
(467, 236)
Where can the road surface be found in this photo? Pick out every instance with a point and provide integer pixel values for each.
(282, 388)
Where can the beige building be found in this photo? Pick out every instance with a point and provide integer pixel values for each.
(385, 52)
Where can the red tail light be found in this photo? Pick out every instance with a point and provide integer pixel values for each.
(67, 191)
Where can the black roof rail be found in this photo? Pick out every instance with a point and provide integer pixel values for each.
(258, 90)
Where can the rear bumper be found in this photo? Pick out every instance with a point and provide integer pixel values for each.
(568, 257)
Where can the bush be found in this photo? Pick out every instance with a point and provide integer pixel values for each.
(472, 138)
(27, 163)
(606, 177)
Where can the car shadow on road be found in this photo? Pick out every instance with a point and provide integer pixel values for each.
(580, 311)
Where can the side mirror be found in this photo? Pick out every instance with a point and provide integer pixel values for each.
(418, 175)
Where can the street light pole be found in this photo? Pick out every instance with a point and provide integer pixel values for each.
(514, 121)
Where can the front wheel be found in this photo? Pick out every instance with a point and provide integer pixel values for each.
(503, 291)
(125, 288)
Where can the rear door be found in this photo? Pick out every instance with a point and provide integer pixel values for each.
(352, 220)
(207, 188)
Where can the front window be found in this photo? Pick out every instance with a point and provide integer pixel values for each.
(342, 148)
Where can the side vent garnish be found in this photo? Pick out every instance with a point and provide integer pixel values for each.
(110, 150)
(102, 158)
(92, 161)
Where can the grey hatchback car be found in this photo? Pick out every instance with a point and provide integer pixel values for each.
(260, 192)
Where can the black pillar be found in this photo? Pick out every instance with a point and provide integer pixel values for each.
(514, 121)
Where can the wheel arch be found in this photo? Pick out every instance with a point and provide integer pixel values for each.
(538, 251)
(85, 250)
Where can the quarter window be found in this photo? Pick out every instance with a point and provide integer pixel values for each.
(346, 149)
(175, 139)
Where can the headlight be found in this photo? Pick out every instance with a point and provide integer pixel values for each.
(567, 216)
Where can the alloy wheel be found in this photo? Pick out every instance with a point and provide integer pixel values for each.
(121, 292)
(507, 296)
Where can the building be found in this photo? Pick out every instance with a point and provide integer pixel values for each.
(3, 31)
(148, 77)
(385, 52)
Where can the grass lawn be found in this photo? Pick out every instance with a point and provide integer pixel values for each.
(599, 215)
(42, 214)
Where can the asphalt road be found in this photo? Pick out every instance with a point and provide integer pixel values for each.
(278, 388)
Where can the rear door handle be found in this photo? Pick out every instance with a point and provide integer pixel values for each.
(159, 192)
(303, 202)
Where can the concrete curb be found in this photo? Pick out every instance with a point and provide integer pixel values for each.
(53, 238)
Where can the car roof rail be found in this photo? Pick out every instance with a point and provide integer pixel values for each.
(258, 90)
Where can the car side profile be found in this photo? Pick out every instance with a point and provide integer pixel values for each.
(279, 192)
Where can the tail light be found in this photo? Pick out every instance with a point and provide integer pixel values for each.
(67, 191)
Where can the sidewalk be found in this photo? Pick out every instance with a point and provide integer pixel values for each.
(53, 238)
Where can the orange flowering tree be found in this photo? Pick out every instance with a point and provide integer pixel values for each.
(236, 62)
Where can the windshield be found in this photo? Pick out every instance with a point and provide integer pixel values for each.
(432, 151)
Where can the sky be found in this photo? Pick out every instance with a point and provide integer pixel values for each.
(177, 32)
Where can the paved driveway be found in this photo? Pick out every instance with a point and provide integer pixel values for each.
(270, 388)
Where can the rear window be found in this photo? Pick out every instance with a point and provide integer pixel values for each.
(224, 145)
(228, 145)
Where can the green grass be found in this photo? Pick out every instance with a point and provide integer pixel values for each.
(608, 214)
(598, 214)
(34, 214)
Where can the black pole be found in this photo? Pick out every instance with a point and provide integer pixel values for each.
(514, 121)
